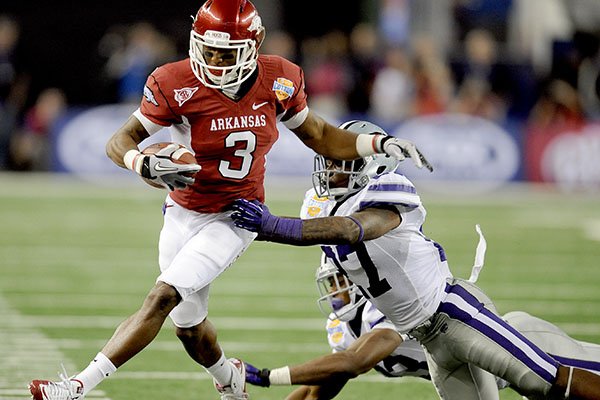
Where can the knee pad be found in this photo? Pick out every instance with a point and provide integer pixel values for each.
(187, 314)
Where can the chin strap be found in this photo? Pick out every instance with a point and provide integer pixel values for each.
(569, 381)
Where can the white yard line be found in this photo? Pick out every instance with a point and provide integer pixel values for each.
(591, 229)
(175, 345)
(203, 376)
(589, 226)
(231, 323)
(532, 291)
(82, 301)
(523, 292)
(25, 354)
(234, 323)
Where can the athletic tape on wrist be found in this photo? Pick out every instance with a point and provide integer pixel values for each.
(130, 159)
(361, 233)
(285, 228)
(367, 145)
(280, 376)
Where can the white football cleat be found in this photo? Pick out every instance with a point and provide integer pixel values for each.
(66, 389)
(236, 390)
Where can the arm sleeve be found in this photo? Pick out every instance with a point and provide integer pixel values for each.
(291, 95)
(150, 126)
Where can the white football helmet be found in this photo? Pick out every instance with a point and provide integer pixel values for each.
(358, 172)
(339, 297)
(229, 25)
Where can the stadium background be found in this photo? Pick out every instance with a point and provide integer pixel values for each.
(514, 141)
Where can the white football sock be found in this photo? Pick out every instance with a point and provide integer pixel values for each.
(222, 370)
(100, 367)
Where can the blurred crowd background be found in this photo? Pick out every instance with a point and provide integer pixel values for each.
(530, 67)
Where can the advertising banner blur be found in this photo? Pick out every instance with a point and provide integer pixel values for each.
(463, 149)
(467, 150)
(566, 156)
(79, 143)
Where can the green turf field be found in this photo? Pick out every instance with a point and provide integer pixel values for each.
(76, 259)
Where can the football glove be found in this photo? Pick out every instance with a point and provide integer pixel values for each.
(249, 215)
(257, 377)
(160, 168)
(401, 149)
(255, 217)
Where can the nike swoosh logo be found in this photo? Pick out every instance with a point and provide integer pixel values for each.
(257, 106)
(159, 167)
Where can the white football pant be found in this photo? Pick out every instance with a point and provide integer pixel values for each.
(194, 249)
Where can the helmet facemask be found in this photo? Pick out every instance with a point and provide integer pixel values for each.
(339, 179)
(232, 27)
(336, 179)
(339, 297)
(221, 77)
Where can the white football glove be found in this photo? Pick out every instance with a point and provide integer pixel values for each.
(400, 149)
(161, 169)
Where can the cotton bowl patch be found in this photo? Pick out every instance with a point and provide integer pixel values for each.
(283, 88)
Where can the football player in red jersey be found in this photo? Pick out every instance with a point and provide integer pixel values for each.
(223, 102)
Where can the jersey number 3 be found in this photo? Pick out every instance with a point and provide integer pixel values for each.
(244, 153)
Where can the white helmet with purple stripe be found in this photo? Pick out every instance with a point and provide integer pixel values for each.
(339, 297)
(339, 179)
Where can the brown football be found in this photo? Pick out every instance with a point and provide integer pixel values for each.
(180, 155)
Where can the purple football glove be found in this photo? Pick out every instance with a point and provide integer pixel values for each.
(257, 377)
(255, 217)
(249, 214)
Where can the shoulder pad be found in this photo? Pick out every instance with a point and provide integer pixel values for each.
(390, 189)
(315, 206)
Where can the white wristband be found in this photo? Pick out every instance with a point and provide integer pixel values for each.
(132, 161)
(367, 145)
(280, 376)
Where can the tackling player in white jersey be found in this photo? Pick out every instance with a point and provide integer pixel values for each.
(361, 339)
(373, 234)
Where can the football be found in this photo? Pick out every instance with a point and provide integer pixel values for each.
(179, 155)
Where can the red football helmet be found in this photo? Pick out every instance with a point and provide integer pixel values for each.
(230, 25)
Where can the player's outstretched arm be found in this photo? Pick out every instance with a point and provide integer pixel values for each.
(367, 224)
(325, 376)
(341, 144)
(359, 358)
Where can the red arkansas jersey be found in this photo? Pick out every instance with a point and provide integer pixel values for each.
(229, 138)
